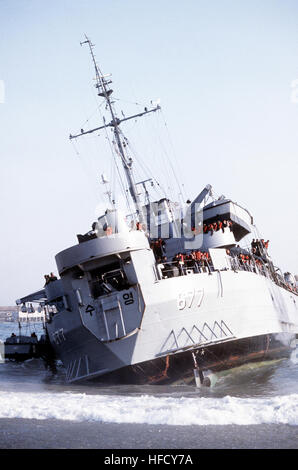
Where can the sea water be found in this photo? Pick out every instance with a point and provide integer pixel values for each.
(263, 393)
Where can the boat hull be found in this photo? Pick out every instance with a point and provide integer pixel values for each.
(227, 319)
(179, 368)
(20, 352)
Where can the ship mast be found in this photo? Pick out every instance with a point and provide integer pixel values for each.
(103, 90)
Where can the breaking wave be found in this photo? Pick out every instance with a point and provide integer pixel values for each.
(150, 410)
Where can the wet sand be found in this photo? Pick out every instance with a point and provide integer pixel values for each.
(58, 434)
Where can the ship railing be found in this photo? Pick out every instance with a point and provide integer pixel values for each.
(238, 265)
(170, 269)
(257, 266)
(251, 266)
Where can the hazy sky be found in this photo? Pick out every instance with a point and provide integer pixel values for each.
(225, 72)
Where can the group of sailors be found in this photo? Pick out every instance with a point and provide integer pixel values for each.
(49, 278)
(199, 261)
(246, 259)
(217, 226)
(194, 260)
(157, 247)
(259, 247)
(33, 335)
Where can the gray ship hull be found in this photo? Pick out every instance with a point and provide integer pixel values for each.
(179, 368)
(227, 318)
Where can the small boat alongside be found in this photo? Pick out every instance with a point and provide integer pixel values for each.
(21, 347)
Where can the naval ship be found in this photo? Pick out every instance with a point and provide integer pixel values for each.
(165, 294)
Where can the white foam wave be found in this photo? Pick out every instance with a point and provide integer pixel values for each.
(149, 409)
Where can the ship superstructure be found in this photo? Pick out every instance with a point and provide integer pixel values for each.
(154, 296)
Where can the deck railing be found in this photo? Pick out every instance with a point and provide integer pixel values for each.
(170, 269)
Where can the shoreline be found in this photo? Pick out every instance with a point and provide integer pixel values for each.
(58, 434)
